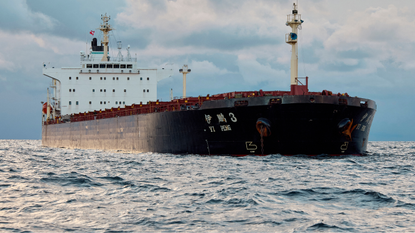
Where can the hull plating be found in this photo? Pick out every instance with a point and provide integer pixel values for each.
(297, 127)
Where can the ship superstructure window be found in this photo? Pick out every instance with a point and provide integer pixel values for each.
(109, 66)
(88, 65)
(70, 78)
(116, 102)
(105, 102)
(113, 78)
(144, 90)
(76, 78)
(100, 102)
(102, 66)
(93, 90)
(95, 65)
(70, 103)
(117, 78)
(141, 78)
(123, 102)
(100, 90)
(76, 102)
(122, 66)
(148, 90)
(148, 78)
(128, 78)
(129, 66)
(70, 90)
(105, 78)
(90, 78)
(125, 90)
(113, 90)
(90, 102)
(105, 90)
(116, 66)
(73, 90)
(100, 78)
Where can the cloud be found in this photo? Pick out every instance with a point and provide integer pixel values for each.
(216, 24)
(16, 15)
(373, 35)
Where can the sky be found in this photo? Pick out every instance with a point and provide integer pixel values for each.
(365, 48)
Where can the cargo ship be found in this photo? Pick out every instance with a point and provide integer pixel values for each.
(111, 104)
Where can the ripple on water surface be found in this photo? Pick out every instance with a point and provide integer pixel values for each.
(52, 189)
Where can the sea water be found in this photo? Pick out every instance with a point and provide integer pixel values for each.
(56, 190)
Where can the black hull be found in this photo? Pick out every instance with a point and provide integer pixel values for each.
(299, 125)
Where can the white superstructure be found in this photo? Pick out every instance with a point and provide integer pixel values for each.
(102, 82)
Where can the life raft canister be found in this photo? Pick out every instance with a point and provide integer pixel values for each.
(44, 108)
(263, 126)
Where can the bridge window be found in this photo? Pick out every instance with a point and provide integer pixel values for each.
(116, 66)
(95, 65)
(129, 66)
(109, 66)
(123, 66)
(88, 65)
(101, 65)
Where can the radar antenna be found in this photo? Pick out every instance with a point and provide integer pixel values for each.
(119, 46)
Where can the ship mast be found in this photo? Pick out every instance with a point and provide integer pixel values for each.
(294, 21)
(184, 71)
(105, 28)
